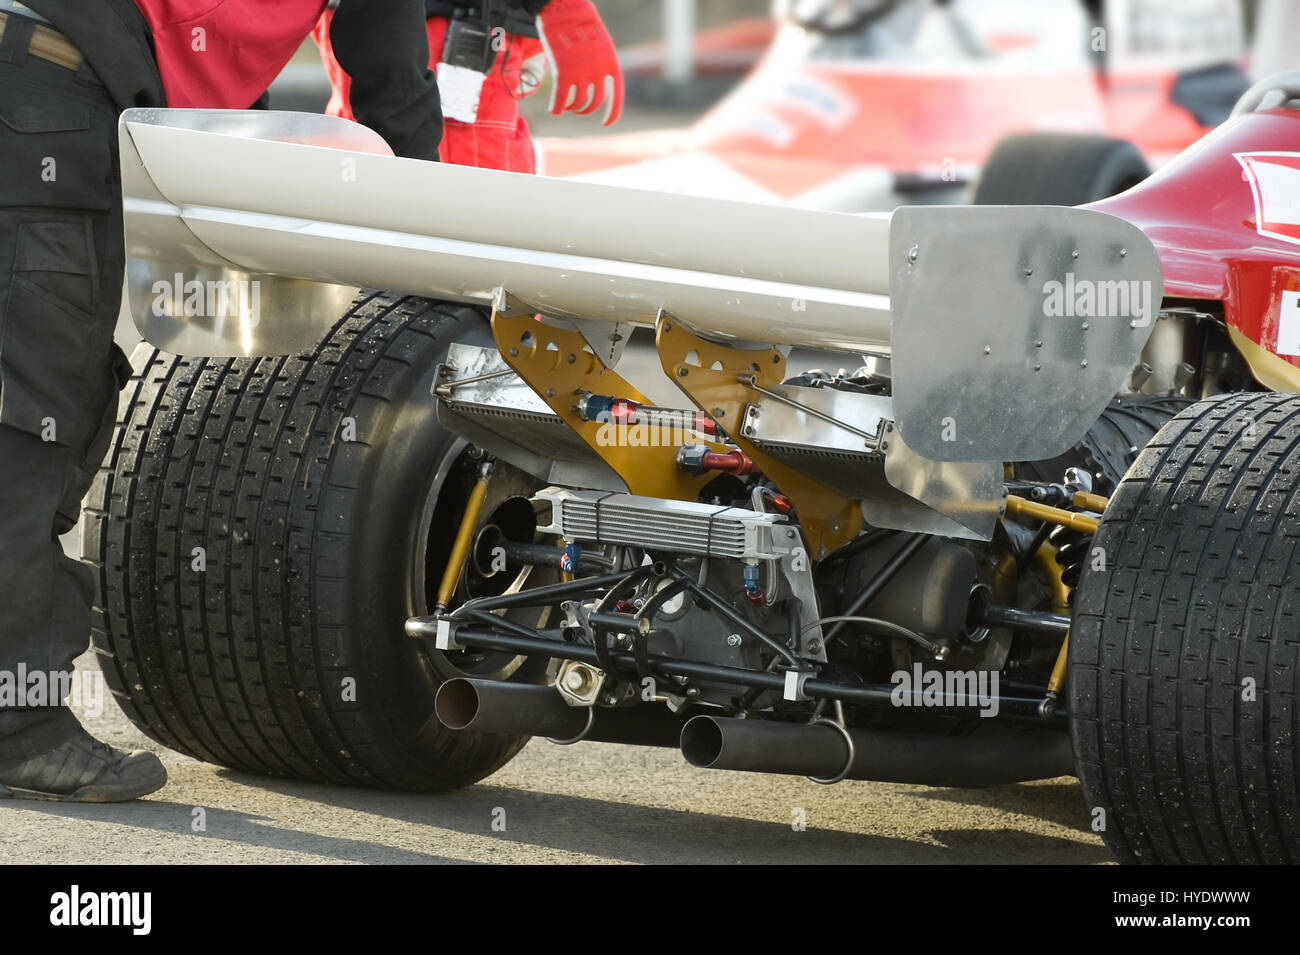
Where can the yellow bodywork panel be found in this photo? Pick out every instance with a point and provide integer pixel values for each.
(710, 375)
(557, 364)
(1272, 371)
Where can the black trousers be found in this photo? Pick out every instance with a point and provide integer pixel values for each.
(61, 266)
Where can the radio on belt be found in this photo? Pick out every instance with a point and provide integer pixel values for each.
(467, 57)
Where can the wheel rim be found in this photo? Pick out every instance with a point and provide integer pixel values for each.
(505, 508)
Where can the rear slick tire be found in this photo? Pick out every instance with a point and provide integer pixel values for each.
(262, 528)
(1184, 662)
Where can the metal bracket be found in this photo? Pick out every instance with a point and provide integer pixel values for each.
(557, 364)
(794, 681)
(719, 380)
(442, 629)
(607, 339)
(446, 638)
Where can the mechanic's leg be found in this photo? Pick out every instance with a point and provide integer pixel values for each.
(32, 474)
(45, 609)
(61, 263)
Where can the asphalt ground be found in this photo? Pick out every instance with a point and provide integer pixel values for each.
(587, 803)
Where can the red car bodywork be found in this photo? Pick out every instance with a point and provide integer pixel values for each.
(822, 123)
(827, 119)
(1225, 219)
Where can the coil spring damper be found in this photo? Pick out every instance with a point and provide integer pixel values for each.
(1073, 533)
(461, 545)
(480, 514)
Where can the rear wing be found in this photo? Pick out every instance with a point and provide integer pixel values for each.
(248, 231)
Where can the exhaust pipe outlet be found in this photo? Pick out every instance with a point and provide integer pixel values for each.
(525, 709)
(991, 755)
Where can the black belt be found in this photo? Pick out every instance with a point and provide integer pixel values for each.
(501, 17)
(45, 41)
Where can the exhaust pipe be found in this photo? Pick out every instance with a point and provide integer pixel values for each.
(525, 709)
(991, 755)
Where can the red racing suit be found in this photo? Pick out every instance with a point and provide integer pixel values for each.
(500, 139)
(223, 54)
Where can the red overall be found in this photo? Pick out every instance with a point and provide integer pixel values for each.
(498, 140)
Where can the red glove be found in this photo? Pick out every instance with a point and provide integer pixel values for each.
(587, 73)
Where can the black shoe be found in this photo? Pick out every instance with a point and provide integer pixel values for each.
(82, 769)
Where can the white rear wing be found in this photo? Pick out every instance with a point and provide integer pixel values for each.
(260, 195)
(247, 232)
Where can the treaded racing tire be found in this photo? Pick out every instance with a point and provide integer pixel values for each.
(1113, 443)
(241, 653)
(1058, 169)
(1185, 649)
